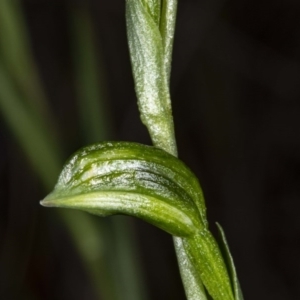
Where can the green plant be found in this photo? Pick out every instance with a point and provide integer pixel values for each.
(151, 182)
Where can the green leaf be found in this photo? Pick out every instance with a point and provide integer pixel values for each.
(150, 74)
(154, 9)
(129, 178)
(204, 254)
(147, 182)
(229, 260)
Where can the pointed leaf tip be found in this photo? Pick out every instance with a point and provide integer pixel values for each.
(230, 264)
(45, 203)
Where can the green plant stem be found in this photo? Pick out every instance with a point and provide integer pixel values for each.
(151, 83)
(150, 42)
(192, 283)
(167, 30)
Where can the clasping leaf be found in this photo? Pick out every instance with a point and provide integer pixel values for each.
(128, 178)
(149, 183)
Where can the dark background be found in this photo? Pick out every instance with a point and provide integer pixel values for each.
(235, 92)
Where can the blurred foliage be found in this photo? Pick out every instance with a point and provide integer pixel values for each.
(27, 114)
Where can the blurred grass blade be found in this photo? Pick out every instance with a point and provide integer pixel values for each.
(129, 277)
(90, 81)
(26, 111)
(92, 248)
(28, 131)
(17, 58)
(47, 163)
(230, 264)
(96, 126)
